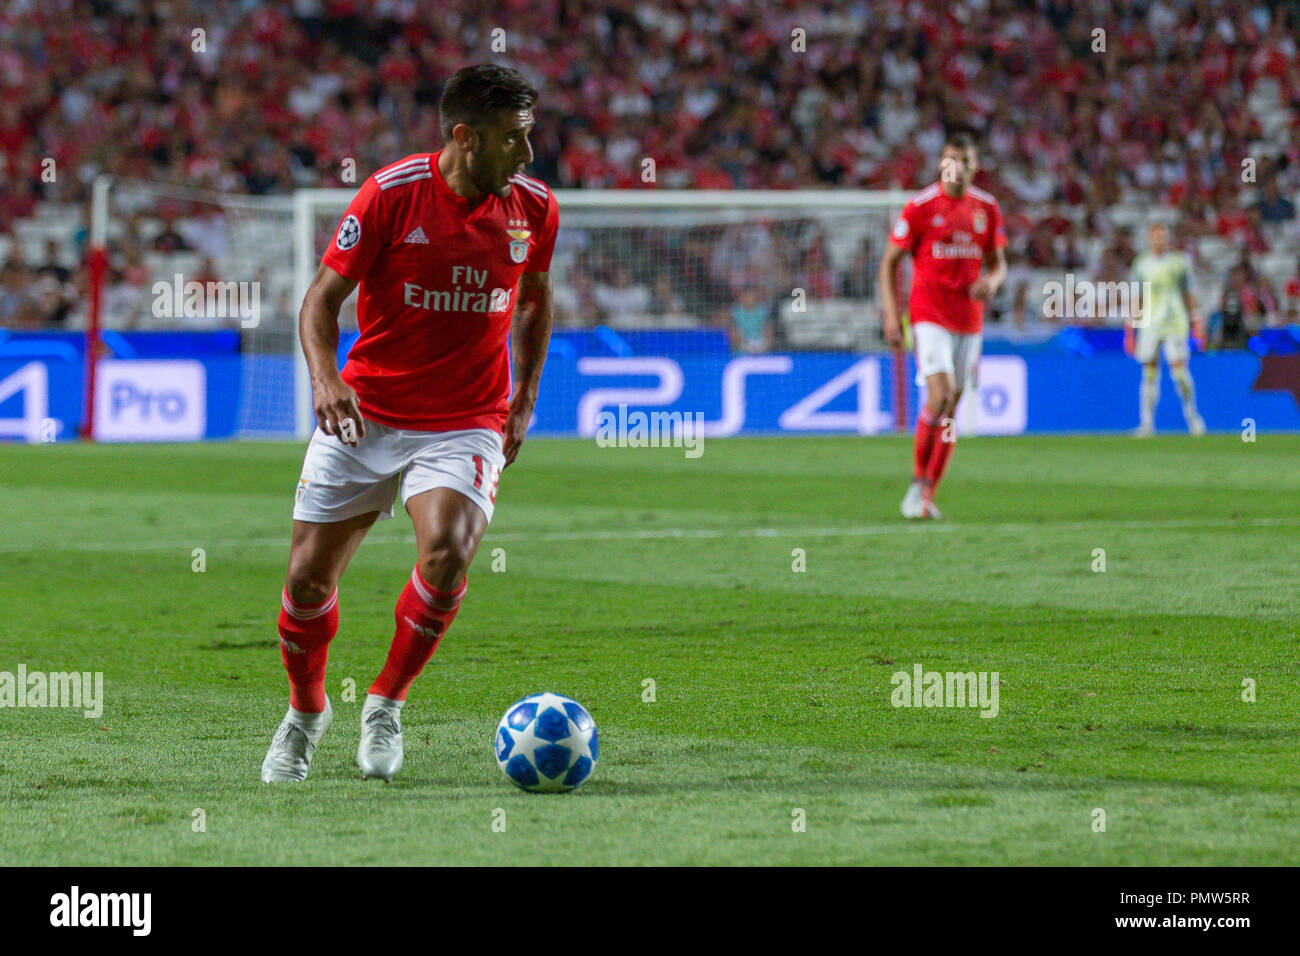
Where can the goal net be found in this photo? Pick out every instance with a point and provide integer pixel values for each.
(692, 279)
(182, 259)
(694, 276)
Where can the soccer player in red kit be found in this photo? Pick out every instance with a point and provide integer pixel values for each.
(952, 231)
(442, 244)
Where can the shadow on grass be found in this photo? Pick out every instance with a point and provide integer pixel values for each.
(1219, 732)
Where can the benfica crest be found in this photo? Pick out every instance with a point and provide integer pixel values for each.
(518, 244)
(980, 220)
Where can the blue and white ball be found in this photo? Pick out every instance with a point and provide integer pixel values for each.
(546, 743)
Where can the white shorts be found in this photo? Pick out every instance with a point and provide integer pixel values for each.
(939, 350)
(339, 481)
(1149, 338)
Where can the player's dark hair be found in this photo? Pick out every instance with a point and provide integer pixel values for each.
(959, 139)
(475, 94)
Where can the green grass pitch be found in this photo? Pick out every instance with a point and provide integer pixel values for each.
(1120, 690)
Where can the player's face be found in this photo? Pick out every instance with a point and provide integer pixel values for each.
(503, 150)
(957, 167)
(1158, 237)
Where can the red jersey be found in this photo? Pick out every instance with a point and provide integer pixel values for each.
(438, 283)
(948, 239)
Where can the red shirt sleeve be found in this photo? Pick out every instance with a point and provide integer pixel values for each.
(540, 259)
(904, 234)
(360, 236)
(997, 230)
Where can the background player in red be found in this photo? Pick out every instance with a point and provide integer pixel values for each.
(442, 245)
(952, 230)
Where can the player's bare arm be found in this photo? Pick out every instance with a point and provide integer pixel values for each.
(987, 285)
(532, 335)
(1134, 320)
(318, 325)
(888, 301)
(1194, 315)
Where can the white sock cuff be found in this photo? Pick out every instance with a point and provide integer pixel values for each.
(308, 721)
(308, 613)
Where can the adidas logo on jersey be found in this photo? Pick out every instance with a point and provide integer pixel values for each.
(417, 236)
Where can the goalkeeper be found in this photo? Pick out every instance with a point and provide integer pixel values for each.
(1165, 316)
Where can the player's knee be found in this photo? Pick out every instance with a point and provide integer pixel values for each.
(938, 399)
(444, 561)
(304, 587)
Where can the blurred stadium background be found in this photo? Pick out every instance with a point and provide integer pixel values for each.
(210, 117)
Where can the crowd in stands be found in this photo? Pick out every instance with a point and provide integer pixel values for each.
(1186, 110)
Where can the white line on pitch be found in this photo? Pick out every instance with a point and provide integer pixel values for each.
(655, 534)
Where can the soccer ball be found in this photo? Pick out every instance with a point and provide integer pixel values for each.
(546, 743)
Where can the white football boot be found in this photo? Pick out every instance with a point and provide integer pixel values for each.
(1196, 425)
(379, 754)
(928, 510)
(912, 502)
(289, 757)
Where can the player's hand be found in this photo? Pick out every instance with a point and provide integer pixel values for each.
(520, 414)
(893, 332)
(336, 404)
(1130, 344)
(1198, 330)
(983, 289)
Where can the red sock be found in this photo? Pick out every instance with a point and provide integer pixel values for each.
(939, 456)
(305, 634)
(927, 430)
(423, 615)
